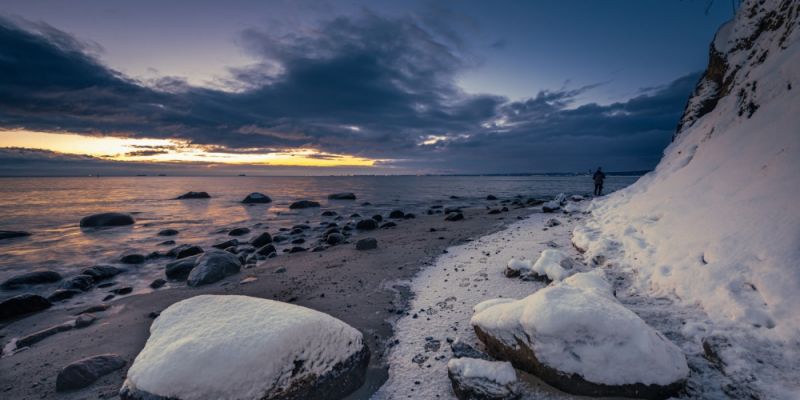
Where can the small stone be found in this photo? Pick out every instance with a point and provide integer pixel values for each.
(157, 283)
(132, 259)
(168, 232)
(84, 320)
(84, 372)
(239, 231)
(367, 244)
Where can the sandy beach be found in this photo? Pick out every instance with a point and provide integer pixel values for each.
(366, 289)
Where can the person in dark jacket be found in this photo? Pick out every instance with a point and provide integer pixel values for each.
(598, 177)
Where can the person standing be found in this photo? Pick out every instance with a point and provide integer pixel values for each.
(598, 177)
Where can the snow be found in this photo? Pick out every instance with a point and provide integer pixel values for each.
(500, 372)
(237, 347)
(521, 266)
(716, 226)
(552, 263)
(593, 281)
(587, 332)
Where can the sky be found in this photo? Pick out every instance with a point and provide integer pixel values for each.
(345, 87)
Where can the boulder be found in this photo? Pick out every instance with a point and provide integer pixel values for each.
(239, 231)
(34, 277)
(266, 250)
(168, 232)
(367, 224)
(78, 282)
(132, 258)
(454, 216)
(193, 195)
(259, 349)
(261, 240)
(228, 243)
(106, 219)
(397, 214)
(334, 238)
(102, 272)
(342, 196)
(22, 304)
(367, 244)
(13, 234)
(213, 266)
(63, 294)
(86, 371)
(476, 379)
(180, 269)
(256, 198)
(577, 337)
(188, 252)
(301, 204)
(377, 217)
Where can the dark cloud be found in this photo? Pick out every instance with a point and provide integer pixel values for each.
(145, 153)
(368, 86)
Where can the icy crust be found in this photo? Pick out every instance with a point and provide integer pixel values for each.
(238, 347)
(578, 327)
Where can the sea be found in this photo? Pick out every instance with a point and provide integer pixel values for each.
(51, 208)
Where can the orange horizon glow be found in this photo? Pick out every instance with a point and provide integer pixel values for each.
(121, 149)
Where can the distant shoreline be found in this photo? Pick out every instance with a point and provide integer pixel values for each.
(550, 174)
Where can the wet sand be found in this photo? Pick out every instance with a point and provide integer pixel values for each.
(366, 289)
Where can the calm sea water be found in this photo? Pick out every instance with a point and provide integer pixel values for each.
(50, 208)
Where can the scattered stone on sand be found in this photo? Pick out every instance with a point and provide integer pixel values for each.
(79, 282)
(261, 240)
(476, 379)
(213, 266)
(367, 224)
(552, 222)
(300, 353)
(38, 336)
(106, 219)
(86, 371)
(454, 216)
(367, 244)
(256, 198)
(94, 309)
(329, 213)
(297, 249)
(102, 272)
(168, 232)
(122, 290)
(22, 304)
(35, 277)
(157, 283)
(377, 217)
(342, 196)
(63, 294)
(228, 243)
(266, 250)
(389, 224)
(494, 211)
(397, 214)
(301, 204)
(133, 258)
(13, 234)
(461, 349)
(239, 231)
(180, 269)
(317, 249)
(491, 197)
(409, 216)
(188, 252)
(334, 238)
(84, 320)
(193, 195)
(167, 243)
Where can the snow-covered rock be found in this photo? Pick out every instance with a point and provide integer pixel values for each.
(477, 379)
(554, 265)
(581, 340)
(239, 347)
(515, 267)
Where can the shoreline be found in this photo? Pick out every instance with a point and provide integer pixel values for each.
(366, 289)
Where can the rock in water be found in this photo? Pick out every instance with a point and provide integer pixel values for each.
(475, 379)
(256, 198)
(342, 196)
(259, 349)
(132, 259)
(78, 282)
(168, 232)
(193, 195)
(13, 234)
(577, 337)
(367, 224)
(84, 372)
(188, 252)
(101, 272)
(213, 266)
(180, 269)
(261, 240)
(297, 205)
(491, 197)
(397, 214)
(36, 277)
(22, 304)
(367, 244)
(106, 219)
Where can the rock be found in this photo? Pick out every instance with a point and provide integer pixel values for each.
(63, 294)
(256, 198)
(266, 250)
(228, 243)
(280, 238)
(157, 283)
(449, 210)
(84, 372)
(461, 349)
(94, 309)
(389, 224)
(551, 207)
(367, 224)
(78, 282)
(106, 219)
(334, 239)
(491, 197)
(494, 211)
(168, 232)
(180, 269)
(397, 214)
(409, 216)
(367, 244)
(132, 258)
(552, 222)
(122, 290)
(214, 266)
(38, 336)
(25, 303)
(342, 196)
(297, 249)
(475, 379)
(578, 338)
(84, 320)
(102, 272)
(167, 243)
(239, 231)
(329, 213)
(298, 241)
(261, 240)
(263, 349)
(34, 277)
(301, 204)
(13, 234)
(193, 195)
(454, 216)
(319, 248)
(377, 217)
(188, 252)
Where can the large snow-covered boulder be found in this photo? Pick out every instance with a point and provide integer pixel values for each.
(476, 379)
(239, 347)
(578, 338)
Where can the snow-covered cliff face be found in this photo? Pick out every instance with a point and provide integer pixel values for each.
(717, 225)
